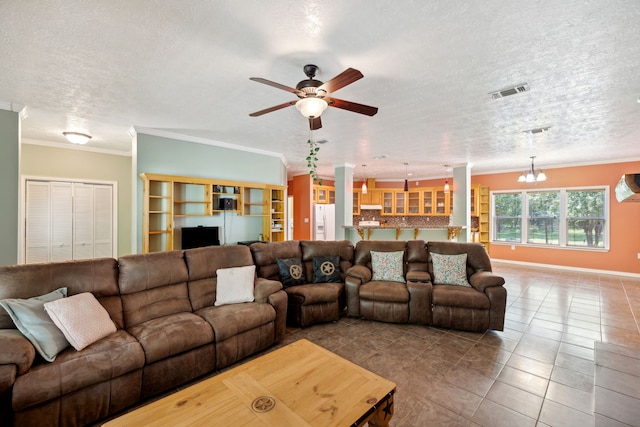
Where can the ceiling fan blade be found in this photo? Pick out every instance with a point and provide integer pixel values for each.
(347, 77)
(315, 123)
(352, 106)
(270, 109)
(277, 85)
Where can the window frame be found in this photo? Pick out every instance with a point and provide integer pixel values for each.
(562, 220)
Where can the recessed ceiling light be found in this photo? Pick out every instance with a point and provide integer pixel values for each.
(383, 156)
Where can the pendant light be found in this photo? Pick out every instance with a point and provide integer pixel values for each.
(447, 189)
(406, 176)
(364, 183)
(532, 175)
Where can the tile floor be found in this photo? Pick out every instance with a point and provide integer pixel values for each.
(539, 371)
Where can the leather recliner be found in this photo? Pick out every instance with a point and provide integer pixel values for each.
(388, 301)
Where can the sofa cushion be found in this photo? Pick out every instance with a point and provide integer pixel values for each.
(235, 285)
(314, 294)
(34, 323)
(81, 319)
(459, 296)
(170, 335)
(231, 320)
(291, 272)
(384, 291)
(387, 266)
(450, 269)
(111, 357)
(203, 263)
(326, 269)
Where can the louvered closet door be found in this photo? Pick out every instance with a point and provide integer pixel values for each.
(82, 221)
(37, 222)
(61, 221)
(103, 220)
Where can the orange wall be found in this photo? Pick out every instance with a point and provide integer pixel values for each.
(301, 188)
(624, 240)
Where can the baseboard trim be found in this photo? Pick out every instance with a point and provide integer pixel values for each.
(565, 267)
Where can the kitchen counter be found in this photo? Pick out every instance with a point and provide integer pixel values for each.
(452, 231)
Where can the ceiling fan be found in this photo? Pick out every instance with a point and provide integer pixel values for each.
(313, 95)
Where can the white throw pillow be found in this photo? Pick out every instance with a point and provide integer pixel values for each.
(235, 285)
(450, 269)
(81, 318)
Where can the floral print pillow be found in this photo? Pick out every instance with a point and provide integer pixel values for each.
(450, 269)
(387, 266)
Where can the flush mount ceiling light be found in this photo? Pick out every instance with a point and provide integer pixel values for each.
(364, 183)
(532, 175)
(77, 137)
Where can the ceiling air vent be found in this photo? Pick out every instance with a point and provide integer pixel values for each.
(537, 130)
(510, 91)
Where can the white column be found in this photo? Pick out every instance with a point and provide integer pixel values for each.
(461, 215)
(344, 198)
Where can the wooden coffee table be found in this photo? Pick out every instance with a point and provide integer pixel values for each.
(300, 384)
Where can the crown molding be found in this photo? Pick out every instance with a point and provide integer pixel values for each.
(206, 141)
(68, 146)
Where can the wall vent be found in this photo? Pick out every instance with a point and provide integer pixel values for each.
(524, 87)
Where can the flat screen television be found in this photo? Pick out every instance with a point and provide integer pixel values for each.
(198, 237)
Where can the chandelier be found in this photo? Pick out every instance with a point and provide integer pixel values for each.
(532, 175)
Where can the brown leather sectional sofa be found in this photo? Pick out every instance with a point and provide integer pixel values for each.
(169, 331)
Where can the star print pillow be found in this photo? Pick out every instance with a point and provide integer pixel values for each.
(291, 272)
(326, 269)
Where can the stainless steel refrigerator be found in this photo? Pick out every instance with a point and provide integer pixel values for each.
(324, 222)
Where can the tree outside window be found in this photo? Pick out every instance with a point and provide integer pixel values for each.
(586, 218)
(508, 217)
(543, 218)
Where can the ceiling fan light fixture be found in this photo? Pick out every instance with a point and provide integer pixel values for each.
(77, 137)
(311, 106)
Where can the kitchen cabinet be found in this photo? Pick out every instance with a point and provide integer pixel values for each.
(356, 201)
(323, 194)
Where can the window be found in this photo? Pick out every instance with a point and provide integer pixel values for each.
(507, 217)
(543, 217)
(559, 217)
(586, 218)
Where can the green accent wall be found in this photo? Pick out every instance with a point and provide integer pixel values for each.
(9, 186)
(53, 162)
(156, 154)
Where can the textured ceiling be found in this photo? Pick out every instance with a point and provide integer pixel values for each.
(183, 67)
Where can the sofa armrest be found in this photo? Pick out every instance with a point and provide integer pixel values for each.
(265, 287)
(418, 276)
(16, 350)
(420, 298)
(485, 279)
(352, 292)
(360, 272)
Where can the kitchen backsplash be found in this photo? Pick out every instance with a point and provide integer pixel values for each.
(406, 221)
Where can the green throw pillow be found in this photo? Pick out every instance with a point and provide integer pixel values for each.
(35, 324)
(387, 266)
(450, 269)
